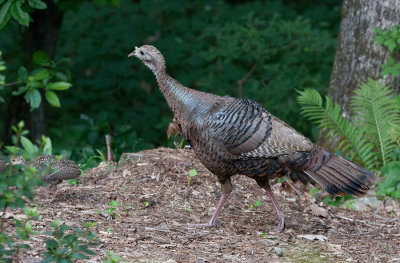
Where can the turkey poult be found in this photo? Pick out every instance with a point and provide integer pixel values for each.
(55, 171)
(238, 136)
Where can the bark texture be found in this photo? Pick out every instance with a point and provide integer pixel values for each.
(357, 56)
(42, 34)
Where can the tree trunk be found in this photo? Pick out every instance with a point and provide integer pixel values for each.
(42, 34)
(357, 56)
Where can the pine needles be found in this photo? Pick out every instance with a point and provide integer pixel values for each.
(370, 138)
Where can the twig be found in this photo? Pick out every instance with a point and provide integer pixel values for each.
(360, 221)
(245, 77)
(391, 221)
(11, 83)
(294, 188)
(263, 83)
(109, 156)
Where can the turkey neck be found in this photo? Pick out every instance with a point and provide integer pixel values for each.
(185, 103)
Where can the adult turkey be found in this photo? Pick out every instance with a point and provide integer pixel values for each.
(238, 136)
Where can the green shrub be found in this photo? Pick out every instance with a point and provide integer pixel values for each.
(67, 247)
(391, 184)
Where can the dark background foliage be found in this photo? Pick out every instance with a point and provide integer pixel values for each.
(276, 47)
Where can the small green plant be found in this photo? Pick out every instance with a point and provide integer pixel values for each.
(349, 205)
(391, 184)
(146, 203)
(111, 258)
(186, 207)
(336, 200)
(111, 211)
(314, 191)
(256, 204)
(192, 173)
(73, 182)
(93, 161)
(71, 246)
(263, 235)
(29, 150)
(10, 244)
(390, 38)
(17, 185)
(126, 209)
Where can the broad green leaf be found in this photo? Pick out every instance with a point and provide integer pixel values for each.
(28, 146)
(41, 58)
(394, 33)
(48, 148)
(61, 85)
(52, 98)
(33, 98)
(391, 44)
(22, 73)
(13, 149)
(192, 173)
(32, 83)
(379, 40)
(51, 243)
(61, 76)
(114, 203)
(38, 4)
(20, 91)
(41, 73)
(19, 14)
(5, 14)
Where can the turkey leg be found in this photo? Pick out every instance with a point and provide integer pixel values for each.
(213, 219)
(281, 216)
(226, 189)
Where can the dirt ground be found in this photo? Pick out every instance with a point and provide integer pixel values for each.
(156, 203)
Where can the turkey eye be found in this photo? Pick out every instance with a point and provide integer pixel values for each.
(141, 53)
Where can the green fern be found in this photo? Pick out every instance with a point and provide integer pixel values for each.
(329, 118)
(376, 113)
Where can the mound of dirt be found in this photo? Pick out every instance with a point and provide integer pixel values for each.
(157, 199)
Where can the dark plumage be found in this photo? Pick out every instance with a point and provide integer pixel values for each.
(238, 136)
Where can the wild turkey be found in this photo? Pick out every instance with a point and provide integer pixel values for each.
(53, 171)
(238, 136)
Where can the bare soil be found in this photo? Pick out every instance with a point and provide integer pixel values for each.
(156, 202)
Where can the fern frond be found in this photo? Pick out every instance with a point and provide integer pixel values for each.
(330, 118)
(376, 113)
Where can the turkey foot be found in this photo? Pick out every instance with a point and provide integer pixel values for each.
(281, 225)
(213, 219)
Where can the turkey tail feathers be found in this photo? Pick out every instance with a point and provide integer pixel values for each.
(336, 174)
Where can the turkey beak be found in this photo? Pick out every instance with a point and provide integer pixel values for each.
(133, 53)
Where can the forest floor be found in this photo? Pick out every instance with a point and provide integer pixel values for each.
(156, 202)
